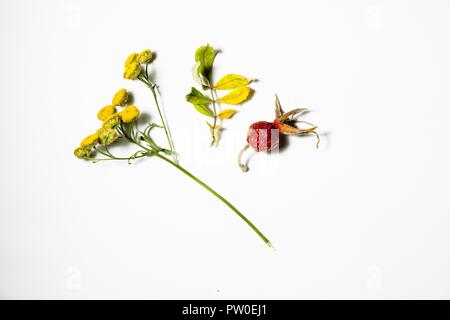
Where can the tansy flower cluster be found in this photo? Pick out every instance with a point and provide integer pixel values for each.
(112, 125)
(133, 64)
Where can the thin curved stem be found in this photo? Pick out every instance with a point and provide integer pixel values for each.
(123, 132)
(152, 86)
(243, 165)
(218, 196)
(111, 157)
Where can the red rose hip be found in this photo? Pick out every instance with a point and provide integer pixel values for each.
(264, 136)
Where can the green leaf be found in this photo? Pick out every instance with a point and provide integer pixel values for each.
(205, 110)
(205, 57)
(232, 81)
(196, 97)
(236, 96)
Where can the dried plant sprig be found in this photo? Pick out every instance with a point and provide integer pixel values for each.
(123, 126)
(208, 103)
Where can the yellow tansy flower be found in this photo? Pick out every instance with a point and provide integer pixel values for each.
(131, 58)
(132, 71)
(120, 98)
(112, 121)
(145, 56)
(106, 112)
(89, 141)
(129, 114)
(107, 135)
(82, 153)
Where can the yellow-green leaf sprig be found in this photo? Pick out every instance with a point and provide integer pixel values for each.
(208, 103)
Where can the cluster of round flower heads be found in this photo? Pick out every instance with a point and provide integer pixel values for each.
(111, 119)
(133, 64)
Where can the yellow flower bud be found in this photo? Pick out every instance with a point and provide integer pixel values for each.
(112, 121)
(129, 114)
(132, 71)
(106, 112)
(131, 58)
(107, 136)
(82, 153)
(145, 56)
(89, 141)
(120, 98)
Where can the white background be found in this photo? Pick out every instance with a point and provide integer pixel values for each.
(364, 216)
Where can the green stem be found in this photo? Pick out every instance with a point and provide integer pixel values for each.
(165, 127)
(111, 157)
(214, 106)
(218, 196)
(215, 114)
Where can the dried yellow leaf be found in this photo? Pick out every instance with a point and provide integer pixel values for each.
(226, 114)
(236, 96)
(232, 81)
